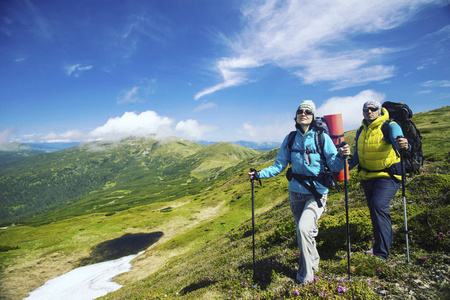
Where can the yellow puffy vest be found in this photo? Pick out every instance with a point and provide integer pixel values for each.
(374, 153)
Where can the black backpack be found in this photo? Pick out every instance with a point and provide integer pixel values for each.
(402, 114)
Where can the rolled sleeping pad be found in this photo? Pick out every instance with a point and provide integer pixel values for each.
(336, 128)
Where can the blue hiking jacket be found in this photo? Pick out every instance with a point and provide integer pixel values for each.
(299, 161)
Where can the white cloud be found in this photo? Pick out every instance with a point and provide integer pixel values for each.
(5, 135)
(314, 40)
(132, 124)
(345, 69)
(145, 124)
(350, 107)
(68, 136)
(275, 131)
(232, 73)
(192, 129)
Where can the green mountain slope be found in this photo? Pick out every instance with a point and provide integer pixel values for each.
(109, 176)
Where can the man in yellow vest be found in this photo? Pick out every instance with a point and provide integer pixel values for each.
(380, 169)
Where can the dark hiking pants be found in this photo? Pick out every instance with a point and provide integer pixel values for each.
(379, 193)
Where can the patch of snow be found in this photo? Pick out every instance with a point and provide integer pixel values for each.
(88, 282)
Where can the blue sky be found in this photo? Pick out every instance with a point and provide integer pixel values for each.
(217, 70)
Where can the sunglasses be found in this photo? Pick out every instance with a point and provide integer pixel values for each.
(306, 111)
(366, 109)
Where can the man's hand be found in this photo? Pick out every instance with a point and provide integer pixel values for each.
(402, 143)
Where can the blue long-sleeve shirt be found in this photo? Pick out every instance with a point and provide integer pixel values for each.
(394, 131)
(299, 161)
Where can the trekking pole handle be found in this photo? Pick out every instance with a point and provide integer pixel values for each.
(256, 175)
(342, 144)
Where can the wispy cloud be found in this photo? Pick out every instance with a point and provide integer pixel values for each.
(314, 40)
(129, 96)
(20, 59)
(437, 83)
(39, 25)
(29, 16)
(205, 106)
(127, 36)
(138, 93)
(77, 69)
(233, 74)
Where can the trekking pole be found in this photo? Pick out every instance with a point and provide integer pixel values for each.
(253, 223)
(346, 209)
(402, 161)
(346, 216)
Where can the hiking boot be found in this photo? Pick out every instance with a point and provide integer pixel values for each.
(370, 251)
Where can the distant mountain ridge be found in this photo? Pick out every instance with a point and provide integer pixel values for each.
(52, 147)
(14, 151)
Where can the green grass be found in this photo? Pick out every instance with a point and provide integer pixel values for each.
(222, 267)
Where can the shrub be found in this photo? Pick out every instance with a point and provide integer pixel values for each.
(429, 229)
(431, 186)
(332, 231)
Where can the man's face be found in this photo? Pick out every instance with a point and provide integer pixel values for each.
(371, 113)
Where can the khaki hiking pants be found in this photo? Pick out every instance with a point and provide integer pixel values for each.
(306, 215)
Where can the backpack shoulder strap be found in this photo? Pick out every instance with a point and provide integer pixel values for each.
(320, 141)
(291, 139)
(358, 133)
(385, 130)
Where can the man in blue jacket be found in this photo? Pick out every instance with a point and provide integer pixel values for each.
(306, 204)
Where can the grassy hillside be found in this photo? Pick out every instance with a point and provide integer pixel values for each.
(109, 176)
(198, 245)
